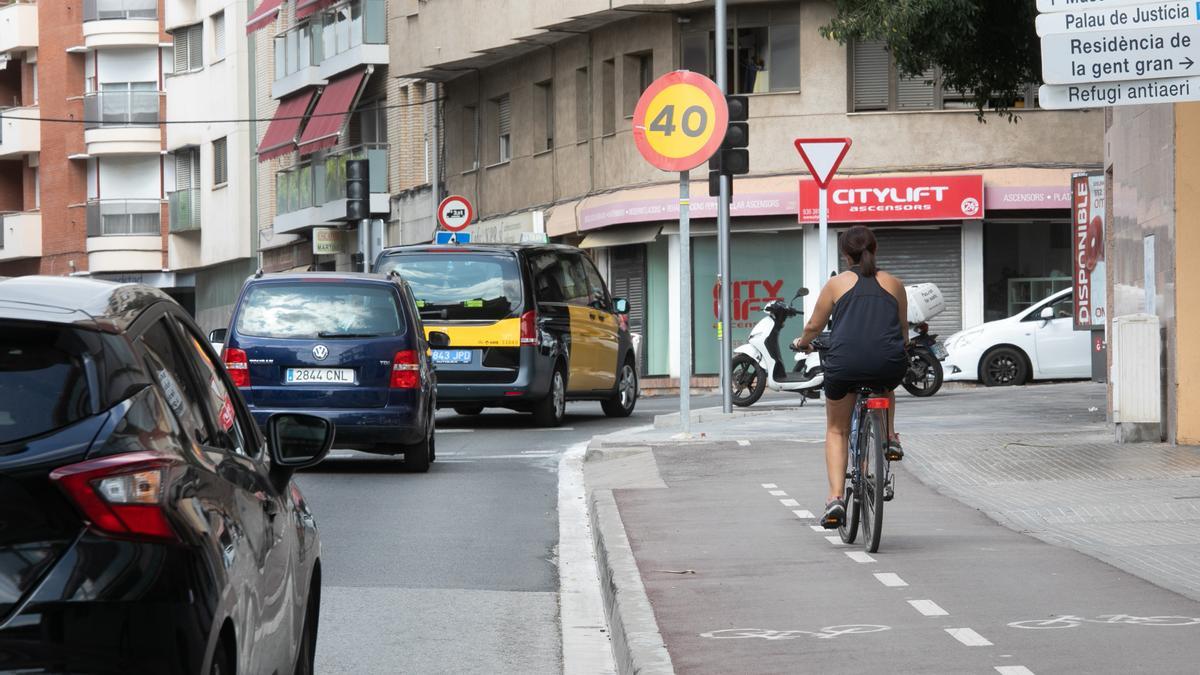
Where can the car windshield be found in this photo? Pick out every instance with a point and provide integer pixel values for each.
(43, 381)
(319, 309)
(460, 286)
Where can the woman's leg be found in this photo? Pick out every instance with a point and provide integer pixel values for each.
(837, 438)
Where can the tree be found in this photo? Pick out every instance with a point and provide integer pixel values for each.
(987, 47)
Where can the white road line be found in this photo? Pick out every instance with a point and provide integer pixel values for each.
(835, 540)
(789, 502)
(928, 608)
(968, 637)
(860, 556)
(817, 528)
(1013, 670)
(744, 443)
(455, 431)
(770, 486)
(890, 579)
(539, 452)
(803, 514)
(778, 493)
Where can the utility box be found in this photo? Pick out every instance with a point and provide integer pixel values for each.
(1137, 378)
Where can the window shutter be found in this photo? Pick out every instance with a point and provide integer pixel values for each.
(181, 51)
(183, 169)
(505, 115)
(196, 46)
(220, 164)
(872, 66)
(218, 27)
(916, 93)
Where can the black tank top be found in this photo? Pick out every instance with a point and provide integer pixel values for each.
(865, 343)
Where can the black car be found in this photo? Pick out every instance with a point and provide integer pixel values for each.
(146, 526)
(348, 347)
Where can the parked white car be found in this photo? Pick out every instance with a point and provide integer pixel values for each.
(1038, 343)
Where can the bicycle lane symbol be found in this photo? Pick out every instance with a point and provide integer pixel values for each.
(826, 633)
(1072, 621)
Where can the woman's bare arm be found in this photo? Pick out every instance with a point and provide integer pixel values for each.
(896, 288)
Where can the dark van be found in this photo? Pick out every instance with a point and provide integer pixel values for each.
(531, 327)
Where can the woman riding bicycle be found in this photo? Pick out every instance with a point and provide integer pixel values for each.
(866, 349)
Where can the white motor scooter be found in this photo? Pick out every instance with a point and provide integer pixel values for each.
(759, 364)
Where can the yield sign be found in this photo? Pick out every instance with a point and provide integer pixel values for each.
(823, 156)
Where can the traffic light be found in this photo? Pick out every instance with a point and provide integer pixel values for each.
(733, 159)
(358, 198)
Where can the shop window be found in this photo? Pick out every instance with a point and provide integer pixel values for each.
(608, 89)
(762, 50)
(189, 48)
(583, 98)
(1023, 264)
(637, 76)
(543, 109)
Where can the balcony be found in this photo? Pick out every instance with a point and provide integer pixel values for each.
(353, 34)
(18, 136)
(122, 120)
(120, 23)
(124, 235)
(18, 26)
(298, 58)
(20, 236)
(314, 193)
(184, 208)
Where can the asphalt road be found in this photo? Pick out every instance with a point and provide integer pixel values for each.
(452, 571)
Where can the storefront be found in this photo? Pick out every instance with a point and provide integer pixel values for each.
(1026, 247)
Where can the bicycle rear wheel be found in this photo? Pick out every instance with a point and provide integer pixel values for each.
(874, 477)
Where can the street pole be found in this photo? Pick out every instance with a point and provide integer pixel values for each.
(725, 273)
(823, 215)
(685, 305)
(434, 183)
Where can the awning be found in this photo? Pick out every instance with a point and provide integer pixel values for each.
(309, 7)
(329, 116)
(262, 15)
(280, 138)
(621, 236)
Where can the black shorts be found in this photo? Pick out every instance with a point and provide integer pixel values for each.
(836, 390)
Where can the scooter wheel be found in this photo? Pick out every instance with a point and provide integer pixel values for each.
(747, 380)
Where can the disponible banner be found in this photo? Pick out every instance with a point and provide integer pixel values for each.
(896, 198)
(1089, 201)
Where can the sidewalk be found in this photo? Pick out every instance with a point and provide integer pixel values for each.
(717, 549)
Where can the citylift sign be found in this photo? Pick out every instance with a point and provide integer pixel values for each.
(1118, 52)
(898, 198)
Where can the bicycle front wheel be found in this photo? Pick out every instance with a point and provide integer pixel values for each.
(874, 477)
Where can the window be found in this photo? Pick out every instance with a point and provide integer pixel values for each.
(43, 380)
(608, 90)
(548, 281)
(543, 101)
(220, 162)
(598, 296)
(575, 281)
(762, 49)
(461, 287)
(37, 188)
(469, 138)
(222, 407)
(187, 168)
(583, 98)
(638, 74)
(502, 111)
(33, 81)
(372, 122)
(218, 29)
(189, 48)
(169, 369)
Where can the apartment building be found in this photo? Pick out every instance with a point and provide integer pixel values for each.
(538, 121)
(323, 79)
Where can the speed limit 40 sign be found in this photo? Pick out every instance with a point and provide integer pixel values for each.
(680, 121)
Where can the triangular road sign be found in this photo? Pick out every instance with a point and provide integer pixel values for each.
(823, 156)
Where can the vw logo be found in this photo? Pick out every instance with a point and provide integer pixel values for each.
(320, 352)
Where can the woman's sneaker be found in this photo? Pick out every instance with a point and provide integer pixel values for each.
(835, 514)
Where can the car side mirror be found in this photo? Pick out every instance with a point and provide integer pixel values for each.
(621, 306)
(297, 441)
(438, 340)
(218, 335)
(1047, 313)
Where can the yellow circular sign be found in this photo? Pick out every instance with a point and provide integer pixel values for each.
(680, 121)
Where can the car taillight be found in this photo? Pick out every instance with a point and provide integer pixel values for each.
(238, 366)
(529, 328)
(405, 370)
(121, 495)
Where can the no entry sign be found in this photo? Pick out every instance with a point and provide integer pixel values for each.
(680, 121)
(455, 213)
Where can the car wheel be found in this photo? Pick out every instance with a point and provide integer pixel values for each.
(549, 411)
(306, 656)
(418, 455)
(468, 409)
(1003, 367)
(626, 395)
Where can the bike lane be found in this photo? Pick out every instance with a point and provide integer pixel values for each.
(740, 582)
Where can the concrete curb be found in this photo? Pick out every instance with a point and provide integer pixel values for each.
(703, 415)
(637, 645)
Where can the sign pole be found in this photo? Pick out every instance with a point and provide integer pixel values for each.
(823, 220)
(725, 330)
(685, 306)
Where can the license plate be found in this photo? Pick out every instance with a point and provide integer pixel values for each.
(452, 356)
(939, 351)
(320, 376)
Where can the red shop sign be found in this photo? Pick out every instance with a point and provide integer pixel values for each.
(896, 198)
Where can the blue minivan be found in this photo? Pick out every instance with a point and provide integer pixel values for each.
(347, 347)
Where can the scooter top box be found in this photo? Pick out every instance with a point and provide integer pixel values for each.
(925, 301)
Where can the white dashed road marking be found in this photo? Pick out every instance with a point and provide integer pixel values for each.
(817, 528)
(1013, 670)
(835, 540)
(928, 608)
(744, 443)
(789, 502)
(770, 486)
(860, 556)
(968, 637)
(803, 514)
(890, 579)
(777, 493)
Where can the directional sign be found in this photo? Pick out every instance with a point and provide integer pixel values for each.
(1070, 5)
(680, 121)
(1153, 15)
(443, 238)
(1132, 92)
(455, 213)
(1112, 56)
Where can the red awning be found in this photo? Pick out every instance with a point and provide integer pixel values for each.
(280, 138)
(263, 15)
(309, 7)
(329, 116)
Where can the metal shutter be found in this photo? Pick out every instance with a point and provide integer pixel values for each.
(187, 169)
(196, 46)
(916, 93)
(181, 50)
(504, 105)
(927, 256)
(628, 280)
(218, 27)
(872, 70)
(220, 161)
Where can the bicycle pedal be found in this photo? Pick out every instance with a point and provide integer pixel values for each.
(889, 489)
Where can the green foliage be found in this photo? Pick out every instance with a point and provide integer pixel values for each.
(987, 47)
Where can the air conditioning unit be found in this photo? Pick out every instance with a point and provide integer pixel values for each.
(1137, 378)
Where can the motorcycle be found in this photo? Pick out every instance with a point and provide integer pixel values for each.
(759, 364)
